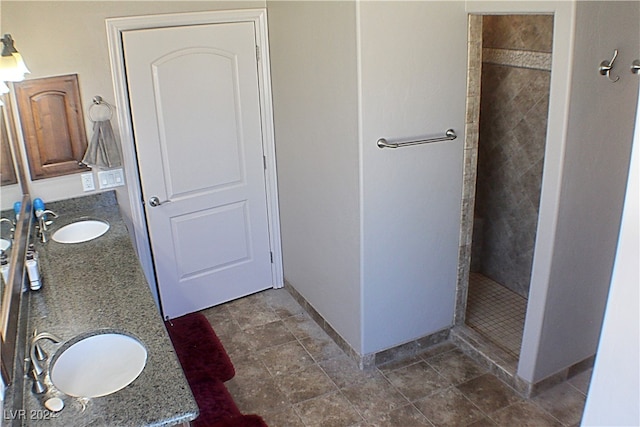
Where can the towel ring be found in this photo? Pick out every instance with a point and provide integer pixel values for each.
(97, 103)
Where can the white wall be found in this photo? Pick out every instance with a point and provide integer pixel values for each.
(614, 392)
(598, 143)
(314, 76)
(413, 78)
(62, 37)
(370, 237)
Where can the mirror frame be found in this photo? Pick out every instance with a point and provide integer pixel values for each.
(9, 310)
(11, 299)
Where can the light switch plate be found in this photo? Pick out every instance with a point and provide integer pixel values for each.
(111, 178)
(87, 181)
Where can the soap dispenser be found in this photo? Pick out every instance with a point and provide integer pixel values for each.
(16, 210)
(4, 267)
(38, 207)
(33, 271)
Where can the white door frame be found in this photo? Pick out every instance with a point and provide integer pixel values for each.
(115, 28)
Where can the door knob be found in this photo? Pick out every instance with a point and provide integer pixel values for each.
(635, 66)
(154, 201)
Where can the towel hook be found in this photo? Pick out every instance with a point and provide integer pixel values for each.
(606, 66)
(99, 102)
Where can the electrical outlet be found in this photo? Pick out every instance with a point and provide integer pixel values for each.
(87, 182)
(111, 178)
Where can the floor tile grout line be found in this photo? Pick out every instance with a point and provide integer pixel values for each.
(336, 391)
(394, 386)
(576, 388)
(425, 417)
(342, 394)
(355, 408)
(302, 336)
(548, 413)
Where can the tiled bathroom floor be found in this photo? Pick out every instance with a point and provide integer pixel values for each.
(496, 313)
(291, 373)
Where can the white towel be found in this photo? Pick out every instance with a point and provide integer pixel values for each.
(103, 149)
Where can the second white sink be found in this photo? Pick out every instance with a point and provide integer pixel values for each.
(98, 365)
(81, 231)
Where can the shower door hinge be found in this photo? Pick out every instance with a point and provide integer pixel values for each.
(271, 255)
(257, 53)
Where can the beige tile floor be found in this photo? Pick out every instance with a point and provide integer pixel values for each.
(292, 374)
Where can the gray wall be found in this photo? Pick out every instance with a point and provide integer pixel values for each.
(596, 159)
(314, 80)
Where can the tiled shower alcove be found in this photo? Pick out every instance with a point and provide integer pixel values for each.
(509, 67)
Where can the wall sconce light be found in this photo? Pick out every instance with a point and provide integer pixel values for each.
(12, 67)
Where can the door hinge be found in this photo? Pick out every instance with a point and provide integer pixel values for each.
(271, 254)
(264, 162)
(257, 53)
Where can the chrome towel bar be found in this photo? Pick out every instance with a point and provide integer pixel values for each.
(450, 135)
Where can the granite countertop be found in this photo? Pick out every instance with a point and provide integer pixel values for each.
(99, 285)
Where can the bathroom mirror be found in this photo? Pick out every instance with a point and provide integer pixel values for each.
(8, 175)
(10, 296)
(12, 182)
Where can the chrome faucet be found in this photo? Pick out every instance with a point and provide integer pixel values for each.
(12, 229)
(43, 223)
(36, 353)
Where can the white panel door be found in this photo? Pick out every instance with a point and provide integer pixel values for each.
(195, 108)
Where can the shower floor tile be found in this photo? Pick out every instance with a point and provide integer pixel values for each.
(496, 312)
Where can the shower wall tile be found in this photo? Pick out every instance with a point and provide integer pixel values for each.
(508, 66)
(517, 58)
(471, 132)
(473, 82)
(513, 126)
(467, 223)
(475, 28)
(474, 52)
(473, 109)
(520, 32)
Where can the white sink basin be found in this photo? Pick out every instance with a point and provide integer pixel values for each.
(5, 244)
(81, 231)
(98, 365)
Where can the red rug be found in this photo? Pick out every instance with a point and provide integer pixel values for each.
(206, 366)
(199, 349)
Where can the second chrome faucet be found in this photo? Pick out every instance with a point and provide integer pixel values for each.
(43, 223)
(36, 353)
